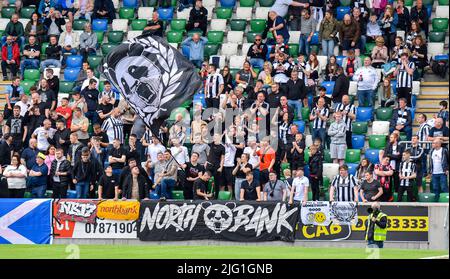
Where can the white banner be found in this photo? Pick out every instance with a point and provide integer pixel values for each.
(316, 213)
(102, 229)
(344, 213)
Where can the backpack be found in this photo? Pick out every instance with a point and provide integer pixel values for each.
(439, 65)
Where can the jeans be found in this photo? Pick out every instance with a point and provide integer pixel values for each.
(50, 62)
(38, 192)
(380, 244)
(29, 64)
(328, 47)
(365, 97)
(439, 184)
(237, 188)
(92, 116)
(304, 45)
(297, 104)
(257, 62)
(197, 63)
(319, 133)
(164, 189)
(82, 189)
(407, 130)
(117, 172)
(362, 43)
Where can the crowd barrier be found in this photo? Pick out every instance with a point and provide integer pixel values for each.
(41, 221)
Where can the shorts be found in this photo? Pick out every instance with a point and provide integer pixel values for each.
(337, 151)
(228, 178)
(347, 45)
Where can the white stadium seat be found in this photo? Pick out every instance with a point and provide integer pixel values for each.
(145, 13)
(218, 24)
(308, 140)
(435, 49)
(353, 88)
(322, 61)
(184, 14)
(262, 12)
(245, 48)
(236, 62)
(294, 37)
(229, 49)
(210, 12)
(3, 23)
(175, 45)
(244, 13)
(221, 60)
(61, 96)
(120, 25)
(380, 128)
(330, 170)
(401, 33)
(133, 34)
(415, 88)
(235, 37)
(442, 11)
(25, 21)
(209, 3)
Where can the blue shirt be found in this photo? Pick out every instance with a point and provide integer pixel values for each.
(29, 155)
(37, 181)
(283, 31)
(10, 54)
(196, 49)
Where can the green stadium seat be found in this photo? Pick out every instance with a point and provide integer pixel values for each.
(78, 24)
(443, 197)
(138, 24)
(359, 128)
(115, 37)
(309, 196)
(305, 113)
(224, 13)
(369, 48)
(352, 155)
(211, 49)
(326, 183)
(26, 12)
(224, 196)
(327, 196)
(383, 114)
(443, 2)
(409, 3)
(126, 13)
(177, 195)
(247, 3)
(439, 24)
(106, 48)
(314, 48)
(403, 137)
(293, 50)
(327, 156)
(175, 37)
(178, 25)
(27, 195)
(345, 3)
(66, 86)
(194, 31)
(266, 3)
(32, 74)
(26, 85)
(233, 72)
(404, 198)
(94, 60)
(377, 141)
(258, 25)
(251, 36)
(210, 185)
(427, 2)
(238, 24)
(100, 36)
(152, 3)
(8, 11)
(49, 194)
(437, 36)
(426, 197)
(215, 37)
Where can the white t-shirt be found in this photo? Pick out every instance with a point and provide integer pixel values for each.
(42, 141)
(181, 154)
(436, 156)
(16, 182)
(230, 154)
(23, 107)
(253, 160)
(281, 7)
(86, 83)
(153, 151)
(299, 184)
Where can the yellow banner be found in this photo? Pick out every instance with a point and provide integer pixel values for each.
(118, 210)
(398, 224)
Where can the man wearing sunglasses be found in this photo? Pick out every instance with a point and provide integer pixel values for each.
(257, 52)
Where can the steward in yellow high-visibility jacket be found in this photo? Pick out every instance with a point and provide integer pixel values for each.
(376, 226)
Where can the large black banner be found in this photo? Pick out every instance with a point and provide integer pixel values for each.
(405, 223)
(221, 220)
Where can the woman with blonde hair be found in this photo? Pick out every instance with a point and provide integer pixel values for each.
(380, 53)
(266, 74)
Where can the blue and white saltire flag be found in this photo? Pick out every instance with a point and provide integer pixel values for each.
(26, 221)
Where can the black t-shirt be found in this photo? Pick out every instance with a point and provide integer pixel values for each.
(442, 132)
(215, 154)
(250, 190)
(117, 153)
(370, 189)
(103, 137)
(104, 109)
(157, 32)
(47, 97)
(16, 125)
(33, 48)
(240, 173)
(193, 171)
(201, 185)
(108, 183)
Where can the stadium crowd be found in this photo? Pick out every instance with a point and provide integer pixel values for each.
(95, 144)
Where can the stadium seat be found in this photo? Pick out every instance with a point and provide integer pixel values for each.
(435, 49)
(100, 35)
(345, 3)
(247, 3)
(218, 24)
(364, 114)
(32, 74)
(409, 3)
(100, 24)
(306, 170)
(258, 25)
(26, 12)
(401, 33)
(106, 48)
(358, 141)
(78, 24)
(327, 156)
(224, 196)
(329, 86)
(251, 37)
(235, 37)
(133, 34)
(442, 12)
(437, 36)
(66, 86)
(305, 113)
(369, 48)
(209, 3)
(380, 128)
(175, 37)
(372, 155)
(245, 48)
(71, 194)
(215, 37)
(211, 49)
(330, 170)
(266, 3)
(377, 141)
(154, 195)
(145, 13)
(138, 24)
(301, 125)
(404, 198)
(341, 12)
(383, 114)
(426, 197)
(8, 11)
(177, 195)
(224, 13)
(115, 37)
(120, 25)
(3, 23)
(353, 88)
(352, 155)
(315, 39)
(218, 60)
(227, 3)
(71, 74)
(352, 168)
(293, 50)
(131, 3)
(322, 61)
(185, 14)
(439, 24)
(230, 49)
(244, 13)
(294, 37)
(359, 128)
(326, 183)
(165, 13)
(261, 12)
(126, 13)
(443, 2)
(340, 59)
(443, 197)
(26, 85)
(74, 61)
(238, 24)
(236, 61)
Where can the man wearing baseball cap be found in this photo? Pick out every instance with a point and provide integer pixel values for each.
(38, 177)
